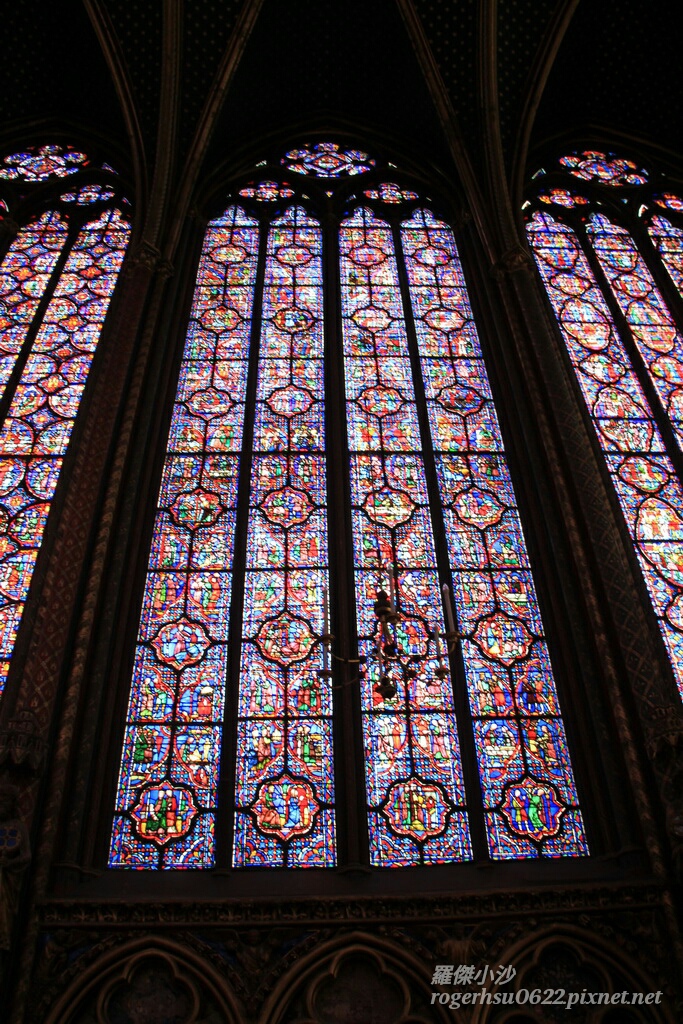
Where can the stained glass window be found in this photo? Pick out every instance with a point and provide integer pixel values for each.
(610, 277)
(415, 788)
(56, 280)
(267, 191)
(166, 796)
(327, 160)
(606, 168)
(389, 192)
(43, 162)
(333, 355)
(524, 765)
(285, 770)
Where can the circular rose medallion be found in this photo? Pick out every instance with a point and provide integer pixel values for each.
(327, 164)
(289, 401)
(533, 809)
(180, 643)
(38, 164)
(327, 159)
(285, 639)
(196, 509)
(604, 167)
(287, 507)
(416, 809)
(164, 812)
(503, 639)
(294, 255)
(285, 807)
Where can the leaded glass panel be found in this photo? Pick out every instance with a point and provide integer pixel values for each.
(235, 647)
(56, 282)
(166, 795)
(285, 773)
(524, 765)
(415, 788)
(643, 475)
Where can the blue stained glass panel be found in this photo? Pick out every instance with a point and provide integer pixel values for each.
(524, 764)
(414, 780)
(285, 774)
(643, 475)
(166, 796)
(651, 324)
(42, 411)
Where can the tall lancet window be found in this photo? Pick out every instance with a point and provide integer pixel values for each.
(608, 241)
(64, 234)
(340, 657)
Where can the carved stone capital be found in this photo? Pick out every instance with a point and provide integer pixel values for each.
(512, 261)
(165, 269)
(144, 257)
(21, 743)
(461, 217)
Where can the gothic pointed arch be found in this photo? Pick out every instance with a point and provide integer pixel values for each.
(146, 977)
(337, 528)
(65, 226)
(607, 237)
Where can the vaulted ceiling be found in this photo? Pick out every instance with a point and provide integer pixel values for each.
(451, 83)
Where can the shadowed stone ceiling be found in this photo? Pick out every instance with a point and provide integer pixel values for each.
(619, 68)
(301, 65)
(345, 62)
(53, 70)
